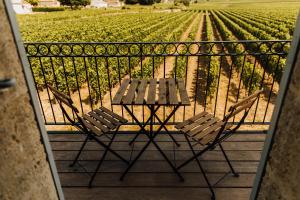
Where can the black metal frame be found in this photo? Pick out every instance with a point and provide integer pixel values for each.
(217, 141)
(151, 135)
(130, 59)
(89, 136)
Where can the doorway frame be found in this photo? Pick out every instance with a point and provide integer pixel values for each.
(33, 95)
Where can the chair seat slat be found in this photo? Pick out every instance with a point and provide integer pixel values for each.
(92, 128)
(204, 126)
(114, 115)
(191, 120)
(102, 120)
(199, 122)
(107, 117)
(209, 130)
(95, 123)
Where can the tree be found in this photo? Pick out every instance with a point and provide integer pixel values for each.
(131, 1)
(33, 2)
(146, 2)
(184, 2)
(75, 3)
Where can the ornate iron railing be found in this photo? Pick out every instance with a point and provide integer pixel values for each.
(217, 74)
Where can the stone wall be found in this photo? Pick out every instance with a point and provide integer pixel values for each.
(282, 178)
(24, 170)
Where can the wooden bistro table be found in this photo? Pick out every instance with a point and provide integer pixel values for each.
(153, 94)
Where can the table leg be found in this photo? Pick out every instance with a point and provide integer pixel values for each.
(170, 135)
(151, 140)
(138, 133)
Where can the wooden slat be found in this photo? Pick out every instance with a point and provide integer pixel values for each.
(123, 145)
(155, 180)
(119, 95)
(92, 128)
(53, 90)
(149, 166)
(151, 92)
(154, 193)
(118, 117)
(95, 123)
(181, 156)
(66, 102)
(190, 120)
(172, 97)
(238, 137)
(129, 97)
(108, 117)
(102, 120)
(243, 107)
(199, 121)
(162, 91)
(63, 98)
(203, 126)
(209, 130)
(182, 92)
(141, 92)
(209, 137)
(245, 100)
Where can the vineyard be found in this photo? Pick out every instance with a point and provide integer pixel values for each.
(214, 72)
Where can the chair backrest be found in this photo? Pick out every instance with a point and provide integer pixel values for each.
(64, 100)
(241, 106)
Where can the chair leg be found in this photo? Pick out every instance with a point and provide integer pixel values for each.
(79, 152)
(102, 158)
(201, 168)
(228, 161)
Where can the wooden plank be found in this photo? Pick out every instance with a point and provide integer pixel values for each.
(125, 136)
(209, 130)
(91, 145)
(209, 137)
(141, 92)
(93, 122)
(155, 155)
(199, 121)
(92, 128)
(59, 93)
(172, 97)
(119, 95)
(242, 108)
(203, 126)
(108, 117)
(151, 92)
(245, 100)
(160, 166)
(183, 93)
(138, 193)
(190, 120)
(154, 180)
(102, 120)
(118, 117)
(162, 92)
(128, 99)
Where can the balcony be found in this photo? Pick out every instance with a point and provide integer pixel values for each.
(216, 74)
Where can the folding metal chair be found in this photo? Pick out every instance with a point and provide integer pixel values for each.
(210, 131)
(94, 124)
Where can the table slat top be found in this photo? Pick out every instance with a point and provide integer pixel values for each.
(165, 91)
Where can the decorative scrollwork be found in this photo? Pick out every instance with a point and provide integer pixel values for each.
(157, 49)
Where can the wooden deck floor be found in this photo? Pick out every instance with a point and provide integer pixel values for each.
(152, 178)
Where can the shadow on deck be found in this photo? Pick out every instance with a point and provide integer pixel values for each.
(151, 178)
